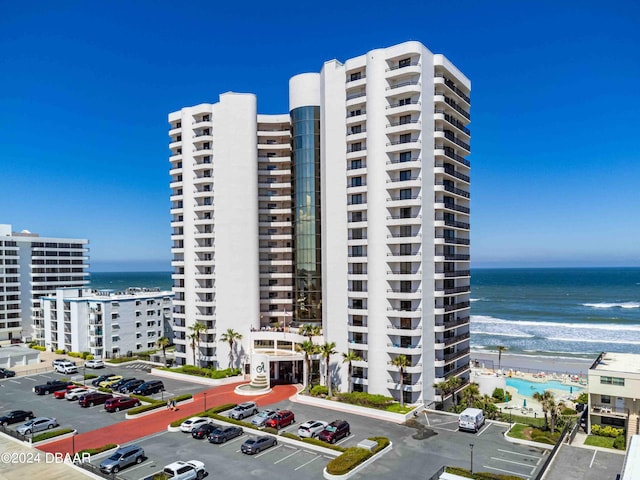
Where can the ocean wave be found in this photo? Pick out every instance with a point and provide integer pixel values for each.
(475, 299)
(502, 334)
(594, 340)
(612, 305)
(530, 323)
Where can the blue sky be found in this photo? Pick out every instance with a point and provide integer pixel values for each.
(85, 89)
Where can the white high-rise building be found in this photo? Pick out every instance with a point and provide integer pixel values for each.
(350, 212)
(105, 323)
(30, 267)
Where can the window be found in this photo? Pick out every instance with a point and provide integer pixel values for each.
(405, 249)
(356, 181)
(356, 76)
(405, 268)
(405, 62)
(356, 164)
(405, 286)
(405, 194)
(356, 147)
(356, 251)
(356, 234)
(404, 119)
(605, 398)
(356, 199)
(405, 212)
(356, 216)
(405, 175)
(356, 268)
(356, 286)
(355, 113)
(612, 381)
(404, 101)
(356, 129)
(405, 230)
(405, 138)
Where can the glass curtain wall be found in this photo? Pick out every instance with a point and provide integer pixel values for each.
(305, 188)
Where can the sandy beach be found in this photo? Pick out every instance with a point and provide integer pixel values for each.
(533, 364)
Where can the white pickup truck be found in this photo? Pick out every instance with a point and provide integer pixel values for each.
(191, 470)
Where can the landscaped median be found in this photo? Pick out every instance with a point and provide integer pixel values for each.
(153, 404)
(354, 459)
(52, 436)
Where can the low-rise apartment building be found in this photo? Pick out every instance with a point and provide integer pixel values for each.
(614, 392)
(106, 323)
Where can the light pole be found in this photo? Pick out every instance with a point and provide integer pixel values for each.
(471, 445)
(84, 374)
(205, 401)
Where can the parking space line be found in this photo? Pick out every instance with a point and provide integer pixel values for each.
(267, 451)
(307, 463)
(29, 378)
(483, 430)
(427, 419)
(15, 381)
(231, 441)
(343, 440)
(143, 464)
(508, 471)
(593, 458)
(518, 453)
(288, 456)
(512, 461)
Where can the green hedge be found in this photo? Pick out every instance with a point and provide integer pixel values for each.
(619, 442)
(366, 399)
(463, 472)
(155, 403)
(606, 431)
(319, 390)
(38, 347)
(354, 456)
(205, 372)
(95, 451)
(50, 434)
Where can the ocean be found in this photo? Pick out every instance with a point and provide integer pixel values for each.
(558, 312)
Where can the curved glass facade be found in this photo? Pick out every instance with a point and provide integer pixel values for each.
(305, 188)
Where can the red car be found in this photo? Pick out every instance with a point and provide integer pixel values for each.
(120, 403)
(91, 399)
(281, 419)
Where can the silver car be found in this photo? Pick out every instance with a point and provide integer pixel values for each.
(244, 410)
(37, 425)
(121, 458)
(262, 417)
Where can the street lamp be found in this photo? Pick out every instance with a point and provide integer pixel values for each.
(471, 445)
(205, 401)
(84, 374)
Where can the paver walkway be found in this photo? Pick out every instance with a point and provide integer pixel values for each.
(129, 430)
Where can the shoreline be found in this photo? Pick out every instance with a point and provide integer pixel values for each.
(533, 363)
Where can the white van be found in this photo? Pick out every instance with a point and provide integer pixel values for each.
(471, 419)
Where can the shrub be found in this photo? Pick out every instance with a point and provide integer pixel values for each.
(75, 354)
(606, 431)
(619, 442)
(319, 390)
(583, 398)
(568, 411)
(38, 347)
(462, 472)
(366, 399)
(90, 376)
(95, 451)
(351, 458)
(320, 443)
(291, 436)
(498, 394)
(271, 430)
(50, 434)
(60, 351)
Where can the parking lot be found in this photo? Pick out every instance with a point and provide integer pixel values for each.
(17, 394)
(419, 449)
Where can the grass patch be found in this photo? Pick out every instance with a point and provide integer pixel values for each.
(527, 432)
(598, 441)
(396, 408)
(354, 456)
(534, 422)
(155, 404)
(463, 472)
(51, 434)
(209, 413)
(95, 451)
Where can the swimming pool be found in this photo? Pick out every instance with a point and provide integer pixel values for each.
(527, 388)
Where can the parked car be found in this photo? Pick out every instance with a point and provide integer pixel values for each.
(130, 386)
(471, 419)
(116, 404)
(261, 418)
(121, 458)
(311, 429)
(185, 470)
(76, 393)
(203, 431)
(148, 388)
(116, 386)
(191, 423)
(281, 419)
(37, 425)
(66, 368)
(222, 434)
(335, 431)
(244, 410)
(101, 378)
(58, 361)
(15, 416)
(110, 381)
(4, 373)
(52, 386)
(63, 393)
(256, 445)
(94, 364)
(96, 398)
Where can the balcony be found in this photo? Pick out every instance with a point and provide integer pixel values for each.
(443, 326)
(440, 78)
(451, 189)
(454, 106)
(452, 240)
(455, 207)
(606, 410)
(447, 342)
(454, 306)
(408, 83)
(450, 152)
(451, 171)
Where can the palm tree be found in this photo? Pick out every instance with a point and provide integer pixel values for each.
(500, 350)
(544, 399)
(349, 358)
(309, 330)
(230, 336)
(471, 394)
(163, 343)
(197, 328)
(309, 348)
(448, 387)
(402, 362)
(453, 384)
(193, 337)
(327, 350)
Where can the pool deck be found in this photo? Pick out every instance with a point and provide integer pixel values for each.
(517, 401)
